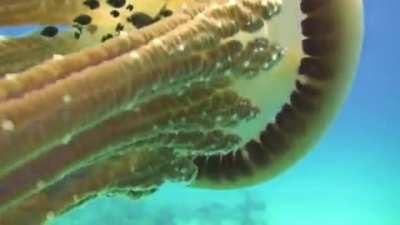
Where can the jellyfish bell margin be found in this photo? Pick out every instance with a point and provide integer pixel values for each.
(332, 34)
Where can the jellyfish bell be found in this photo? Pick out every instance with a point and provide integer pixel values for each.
(219, 94)
(299, 98)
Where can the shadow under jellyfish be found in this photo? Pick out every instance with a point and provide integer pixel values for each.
(218, 94)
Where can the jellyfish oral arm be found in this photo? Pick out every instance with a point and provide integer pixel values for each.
(164, 88)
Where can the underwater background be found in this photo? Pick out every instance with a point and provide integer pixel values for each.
(351, 178)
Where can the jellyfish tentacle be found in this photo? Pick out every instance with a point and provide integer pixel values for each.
(29, 80)
(79, 60)
(20, 12)
(201, 62)
(135, 174)
(26, 112)
(19, 54)
(209, 109)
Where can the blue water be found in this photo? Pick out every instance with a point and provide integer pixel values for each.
(351, 178)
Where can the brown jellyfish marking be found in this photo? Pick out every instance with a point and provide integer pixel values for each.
(114, 13)
(140, 20)
(116, 3)
(92, 4)
(40, 12)
(332, 33)
(129, 7)
(83, 19)
(77, 14)
(49, 31)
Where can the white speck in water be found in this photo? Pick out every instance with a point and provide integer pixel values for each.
(58, 57)
(40, 184)
(75, 198)
(129, 106)
(7, 125)
(232, 2)
(132, 168)
(134, 55)
(123, 34)
(66, 139)
(228, 72)
(67, 99)
(157, 42)
(11, 76)
(50, 215)
(181, 47)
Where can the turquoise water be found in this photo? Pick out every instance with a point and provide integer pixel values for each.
(351, 178)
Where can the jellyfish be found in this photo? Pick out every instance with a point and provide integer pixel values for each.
(118, 97)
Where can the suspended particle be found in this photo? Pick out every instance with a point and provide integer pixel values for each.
(166, 13)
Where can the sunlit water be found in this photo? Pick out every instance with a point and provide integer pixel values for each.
(351, 177)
